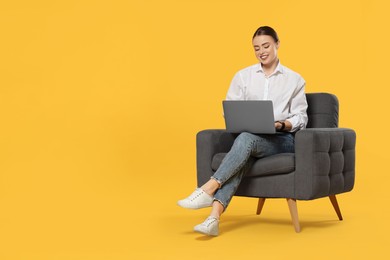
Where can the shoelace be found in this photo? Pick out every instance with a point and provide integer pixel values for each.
(209, 221)
(199, 192)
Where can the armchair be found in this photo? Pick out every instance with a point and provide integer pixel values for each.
(323, 164)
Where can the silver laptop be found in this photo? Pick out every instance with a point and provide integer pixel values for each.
(253, 116)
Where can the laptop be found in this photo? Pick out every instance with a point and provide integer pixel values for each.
(253, 116)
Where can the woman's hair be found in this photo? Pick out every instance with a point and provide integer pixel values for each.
(266, 30)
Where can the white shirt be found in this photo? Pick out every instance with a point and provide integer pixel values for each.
(284, 87)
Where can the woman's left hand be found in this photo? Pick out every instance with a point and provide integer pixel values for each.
(279, 125)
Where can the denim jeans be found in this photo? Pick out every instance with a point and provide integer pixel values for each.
(246, 148)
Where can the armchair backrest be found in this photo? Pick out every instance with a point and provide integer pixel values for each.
(323, 110)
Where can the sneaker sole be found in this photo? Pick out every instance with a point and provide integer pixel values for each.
(205, 233)
(199, 207)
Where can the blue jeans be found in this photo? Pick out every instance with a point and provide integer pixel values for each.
(246, 148)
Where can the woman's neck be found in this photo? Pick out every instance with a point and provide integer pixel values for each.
(270, 68)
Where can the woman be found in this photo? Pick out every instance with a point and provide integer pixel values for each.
(267, 80)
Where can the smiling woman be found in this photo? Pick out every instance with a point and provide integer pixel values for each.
(268, 80)
(266, 44)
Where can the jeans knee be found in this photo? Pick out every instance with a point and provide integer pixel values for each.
(245, 138)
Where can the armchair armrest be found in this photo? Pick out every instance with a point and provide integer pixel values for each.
(324, 162)
(209, 143)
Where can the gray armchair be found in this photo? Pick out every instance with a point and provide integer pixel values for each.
(323, 164)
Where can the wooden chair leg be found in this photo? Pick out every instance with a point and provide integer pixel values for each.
(336, 206)
(260, 205)
(292, 205)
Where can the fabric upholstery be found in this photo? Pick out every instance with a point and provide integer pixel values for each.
(271, 165)
(322, 110)
(323, 163)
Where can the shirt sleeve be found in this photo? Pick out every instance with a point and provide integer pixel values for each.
(298, 106)
(237, 88)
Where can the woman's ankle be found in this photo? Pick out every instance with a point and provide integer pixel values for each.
(210, 187)
(217, 209)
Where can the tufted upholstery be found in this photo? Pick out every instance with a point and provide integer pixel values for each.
(323, 163)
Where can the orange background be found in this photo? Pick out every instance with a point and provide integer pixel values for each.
(101, 100)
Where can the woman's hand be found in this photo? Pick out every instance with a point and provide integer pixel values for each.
(279, 126)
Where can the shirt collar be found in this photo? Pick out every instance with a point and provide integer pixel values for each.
(279, 68)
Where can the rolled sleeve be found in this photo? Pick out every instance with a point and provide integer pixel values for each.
(298, 106)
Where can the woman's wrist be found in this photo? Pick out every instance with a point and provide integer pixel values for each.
(280, 126)
(283, 126)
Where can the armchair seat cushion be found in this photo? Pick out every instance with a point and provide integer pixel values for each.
(282, 163)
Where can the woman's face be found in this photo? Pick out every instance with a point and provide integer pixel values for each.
(266, 49)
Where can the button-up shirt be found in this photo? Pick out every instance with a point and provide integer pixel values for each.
(284, 87)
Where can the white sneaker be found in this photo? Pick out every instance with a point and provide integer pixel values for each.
(209, 227)
(197, 200)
